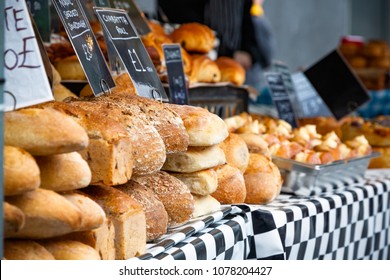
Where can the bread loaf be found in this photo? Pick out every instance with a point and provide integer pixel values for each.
(70, 68)
(48, 214)
(255, 143)
(174, 194)
(64, 172)
(202, 182)
(204, 70)
(127, 216)
(109, 153)
(60, 92)
(194, 37)
(204, 128)
(25, 250)
(21, 172)
(195, 159)
(262, 179)
(205, 204)
(236, 151)
(70, 250)
(43, 131)
(231, 70)
(155, 213)
(231, 186)
(14, 219)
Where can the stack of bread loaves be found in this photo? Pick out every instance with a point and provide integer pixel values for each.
(42, 171)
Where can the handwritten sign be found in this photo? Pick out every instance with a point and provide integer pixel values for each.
(26, 80)
(135, 14)
(120, 30)
(281, 98)
(85, 45)
(178, 93)
(40, 11)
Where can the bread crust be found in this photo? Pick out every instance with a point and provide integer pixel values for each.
(14, 219)
(231, 185)
(236, 151)
(25, 250)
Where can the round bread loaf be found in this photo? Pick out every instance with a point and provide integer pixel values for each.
(262, 180)
(70, 68)
(231, 185)
(202, 182)
(70, 250)
(173, 193)
(21, 172)
(236, 151)
(25, 250)
(13, 219)
(255, 144)
(231, 70)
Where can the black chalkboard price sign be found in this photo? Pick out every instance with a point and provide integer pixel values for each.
(178, 93)
(40, 10)
(119, 29)
(281, 98)
(85, 45)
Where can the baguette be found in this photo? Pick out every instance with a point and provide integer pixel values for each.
(14, 219)
(25, 250)
(21, 172)
(43, 131)
(70, 250)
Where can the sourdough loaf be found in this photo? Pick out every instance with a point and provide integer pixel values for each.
(231, 185)
(25, 250)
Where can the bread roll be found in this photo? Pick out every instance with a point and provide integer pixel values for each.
(14, 219)
(231, 70)
(202, 182)
(60, 93)
(92, 215)
(195, 159)
(127, 216)
(43, 131)
(262, 179)
(231, 186)
(255, 144)
(174, 194)
(155, 213)
(47, 213)
(25, 250)
(70, 68)
(110, 152)
(204, 70)
(204, 128)
(205, 204)
(70, 250)
(236, 151)
(194, 37)
(64, 172)
(21, 172)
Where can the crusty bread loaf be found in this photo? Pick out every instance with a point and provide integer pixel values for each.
(174, 194)
(60, 92)
(92, 214)
(43, 131)
(70, 250)
(168, 123)
(109, 153)
(48, 214)
(127, 216)
(148, 147)
(70, 68)
(204, 70)
(63, 172)
(21, 172)
(25, 250)
(155, 213)
(202, 182)
(194, 37)
(195, 159)
(262, 179)
(204, 128)
(236, 151)
(231, 186)
(205, 204)
(14, 219)
(231, 70)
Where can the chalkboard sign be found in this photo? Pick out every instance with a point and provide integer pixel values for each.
(336, 83)
(85, 45)
(136, 15)
(178, 93)
(119, 28)
(281, 98)
(40, 11)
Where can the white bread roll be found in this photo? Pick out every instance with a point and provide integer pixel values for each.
(70, 250)
(231, 186)
(43, 131)
(64, 172)
(48, 214)
(25, 250)
(203, 128)
(200, 182)
(195, 159)
(205, 204)
(236, 151)
(262, 179)
(21, 172)
(14, 219)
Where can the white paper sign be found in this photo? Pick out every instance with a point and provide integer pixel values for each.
(26, 82)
